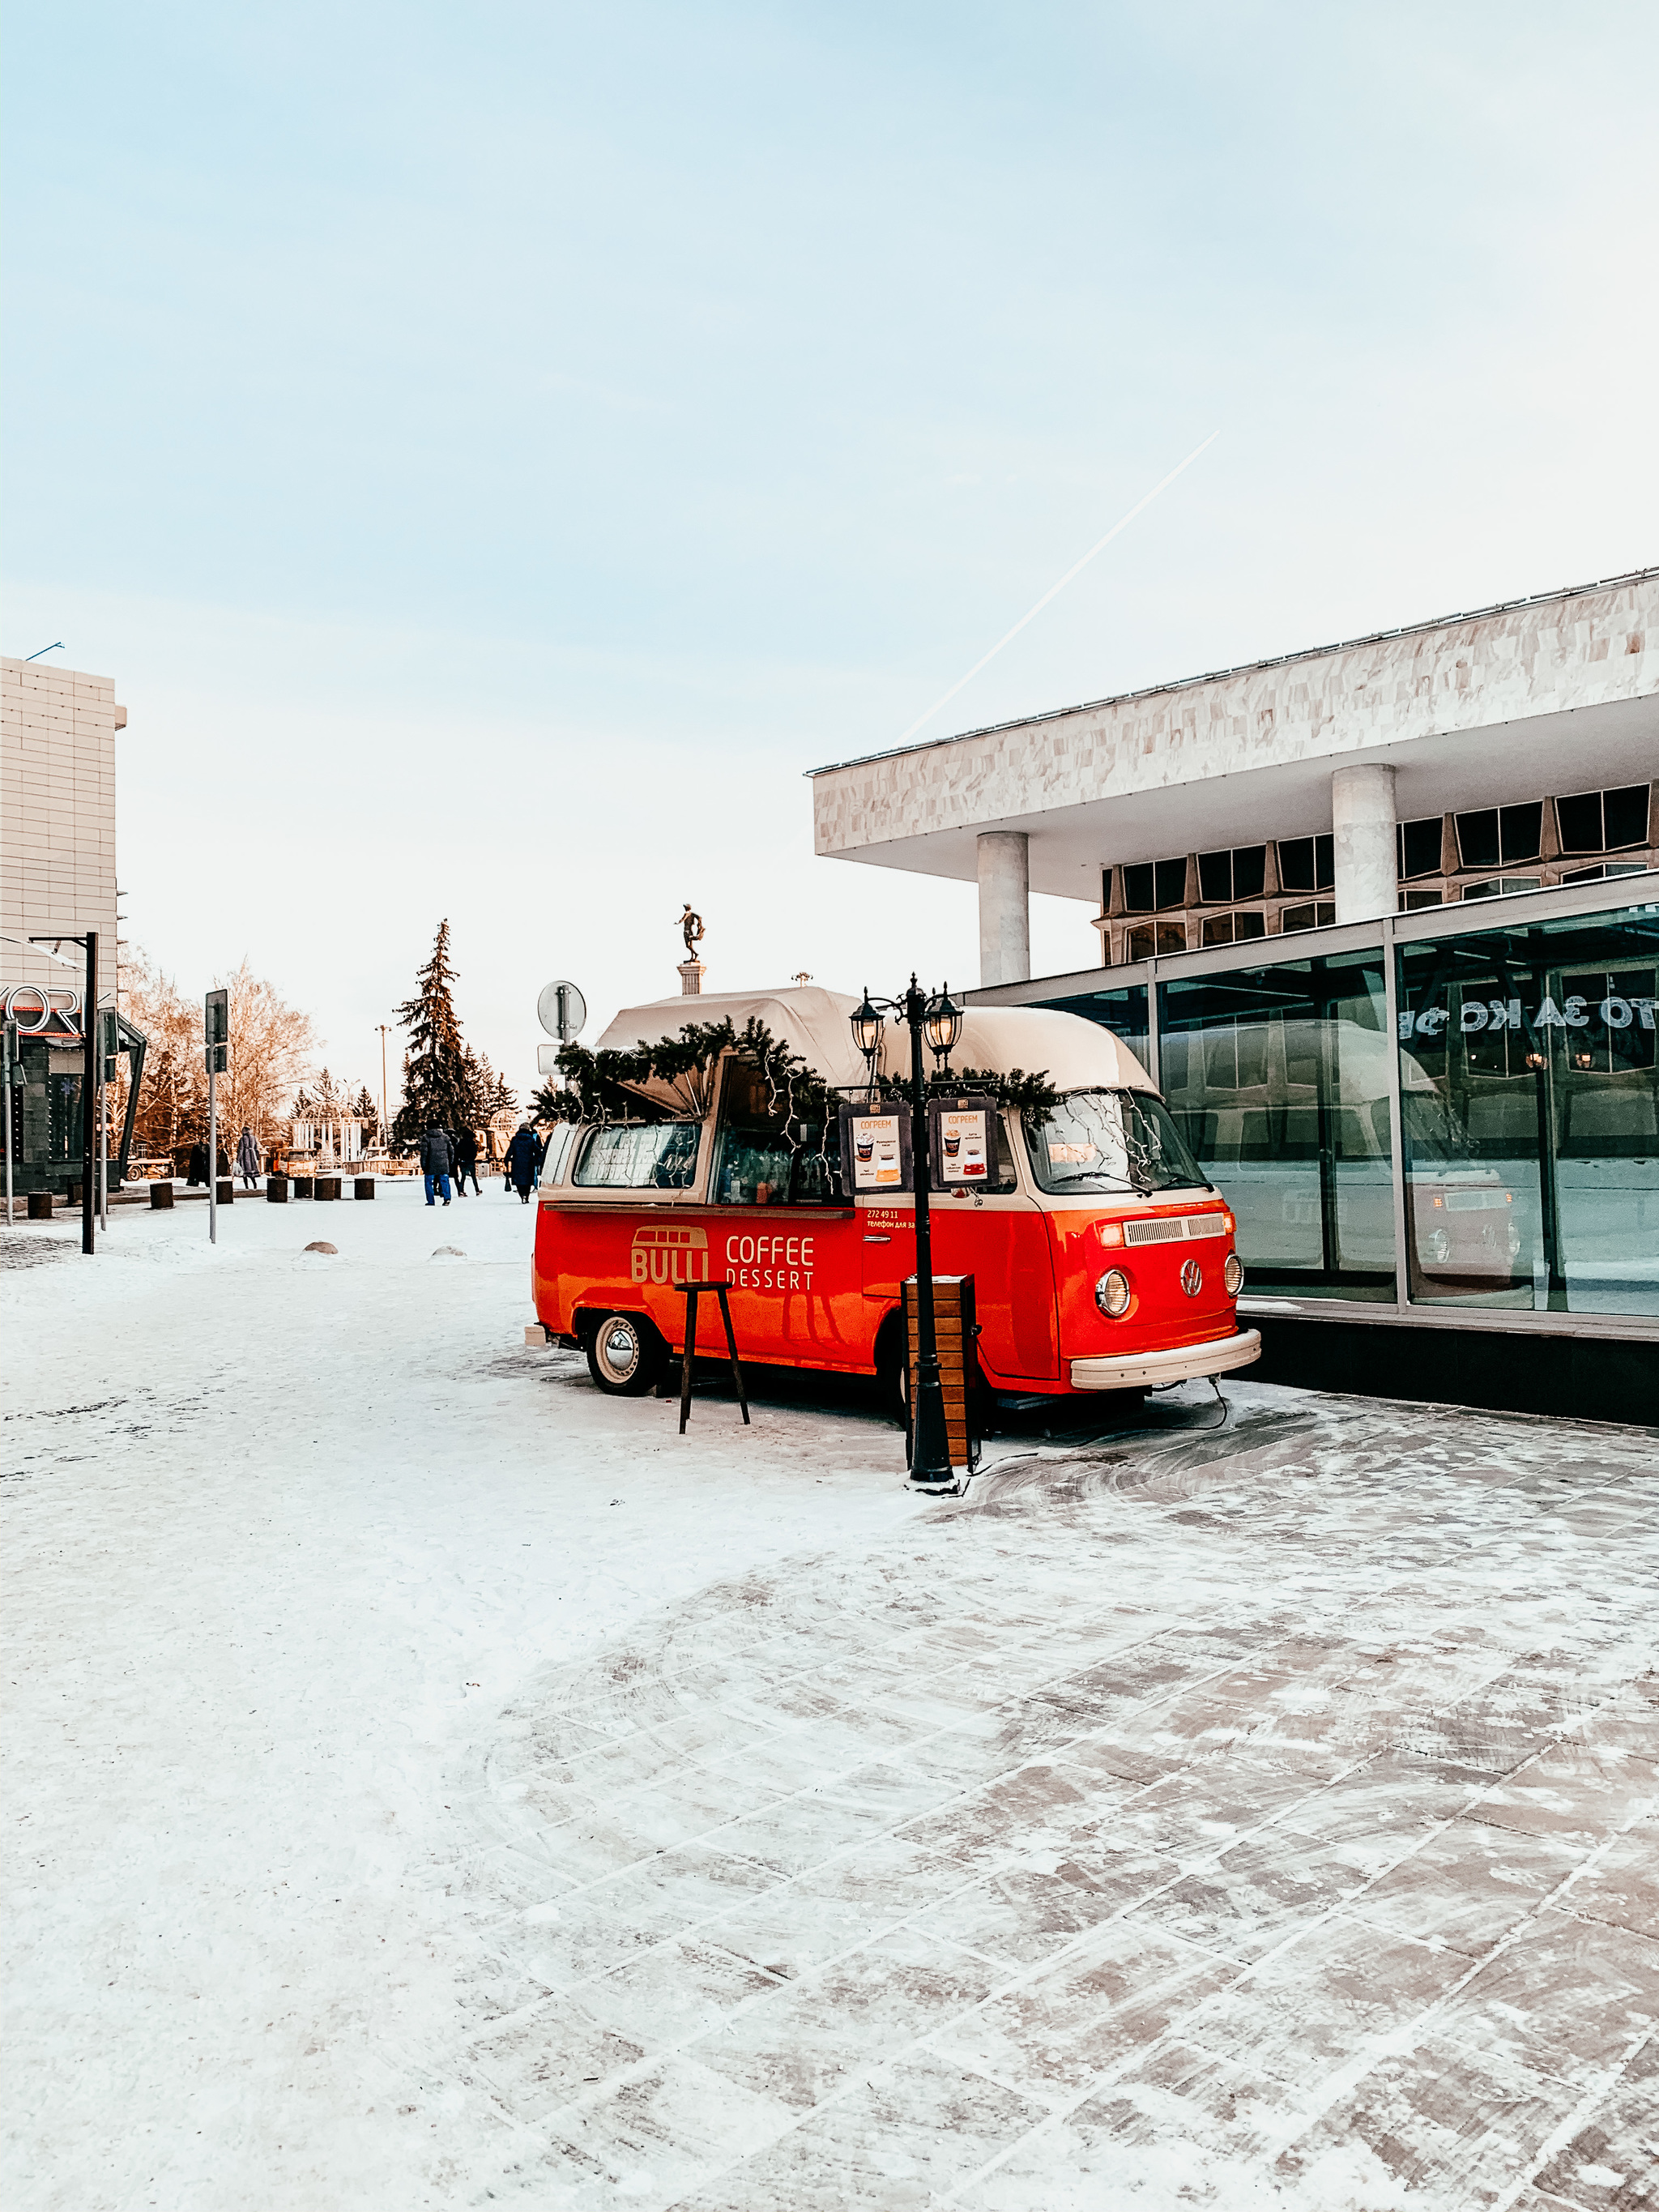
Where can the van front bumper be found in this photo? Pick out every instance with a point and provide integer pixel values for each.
(1147, 1369)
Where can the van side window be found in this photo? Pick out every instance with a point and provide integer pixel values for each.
(558, 1150)
(754, 1165)
(625, 1156)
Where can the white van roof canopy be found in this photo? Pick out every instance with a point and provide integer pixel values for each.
(1076, 1054)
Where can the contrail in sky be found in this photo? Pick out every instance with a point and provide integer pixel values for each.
(1055, 590)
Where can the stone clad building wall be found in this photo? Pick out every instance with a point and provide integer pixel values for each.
(1542, 657)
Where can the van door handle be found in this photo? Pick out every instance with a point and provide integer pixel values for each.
(878, 1240)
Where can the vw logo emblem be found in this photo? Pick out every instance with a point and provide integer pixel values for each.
(1192, 1278)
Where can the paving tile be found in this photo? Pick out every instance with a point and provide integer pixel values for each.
(792, 1929)
(648, 2142)
(540, 2063)
(900, 2139)
(1621, 1884)
(1035, 1804)
(799, 2046)
(1189, 2108)
(1260, 1894)
(1469, 1886)
(1445, 2125)
(678, 1889)
(1021, 1914)
(1320, 2003)
(793, 1834)
(1566, 1996)
(672, 1995)
(1575, 1790)
(1612, 2159)
(1112, 1993)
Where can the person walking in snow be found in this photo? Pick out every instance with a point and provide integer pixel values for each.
(466, 1163)
(435, 1163)
(523, 1158)
(247, 1159)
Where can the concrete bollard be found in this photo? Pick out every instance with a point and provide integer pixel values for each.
(160, 1197)
(72, 1192)
(362, 1187)
(276, 1189)
(302, 1186)
(40, 1205)
(325, 1187)
(226, 1192)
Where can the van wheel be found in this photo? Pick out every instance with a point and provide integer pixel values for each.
(892, 1381)
(625, 1355)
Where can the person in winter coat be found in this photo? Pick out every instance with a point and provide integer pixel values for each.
(247, 1159)
(523, 1158)
(435, 1162)
(466, 1163)
(197, 1170)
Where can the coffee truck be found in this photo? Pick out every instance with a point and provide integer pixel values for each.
(1101, 1258)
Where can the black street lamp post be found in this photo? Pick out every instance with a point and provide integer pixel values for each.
(929, 1443)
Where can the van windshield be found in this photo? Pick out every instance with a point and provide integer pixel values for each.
(1110, 1140)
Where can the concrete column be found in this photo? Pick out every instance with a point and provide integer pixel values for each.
(1363, 841)
(1004, 913)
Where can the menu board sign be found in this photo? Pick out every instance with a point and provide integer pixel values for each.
(875, 1164)
(963, 1145)
(875, 1148)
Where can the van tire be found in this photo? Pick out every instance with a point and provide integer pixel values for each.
(625, 1355)
(891, 1380)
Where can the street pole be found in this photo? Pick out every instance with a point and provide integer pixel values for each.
(216, 1032)
(89, 1090)
(383, 1027)
(929, 1443)
(7, 1029)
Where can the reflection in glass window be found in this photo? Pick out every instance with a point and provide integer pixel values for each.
(1148, 938)
(1278, 1077)
(1154, 886)
(1494, 835)
(1123, 1012)
(1319, 915)
(1532, 1118)
(1096, 1141)
(1419, 844)
(1603, 821)
(1233, 928)
(630, 1156)
(1306, 864)
(1501, 886)
(1239, 874)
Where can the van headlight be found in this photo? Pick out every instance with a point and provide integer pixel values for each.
(1233, 1275)
(1112, 1293)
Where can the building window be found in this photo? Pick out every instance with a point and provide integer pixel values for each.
(1306, 864)
(1233, 928)
(1500, 886)
(1419, 848)
(1603, 821)
(1319, 915)
(1239, 874)
(1154, 886)
(1410, 902)
(1531, 1103)
(1611, 868)
(1151, 937)
(1495, 836)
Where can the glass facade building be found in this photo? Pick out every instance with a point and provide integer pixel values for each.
(1449, 1116)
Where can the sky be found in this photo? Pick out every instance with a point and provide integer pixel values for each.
(497, 451)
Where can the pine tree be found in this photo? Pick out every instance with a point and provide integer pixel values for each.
(437, 1082)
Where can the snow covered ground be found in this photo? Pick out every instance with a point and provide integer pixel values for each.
(433, 1784)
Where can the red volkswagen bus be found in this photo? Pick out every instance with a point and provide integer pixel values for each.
(1101, 1258)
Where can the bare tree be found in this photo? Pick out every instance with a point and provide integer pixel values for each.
(272, 1048)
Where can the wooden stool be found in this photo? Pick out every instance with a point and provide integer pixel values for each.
(691, 1292)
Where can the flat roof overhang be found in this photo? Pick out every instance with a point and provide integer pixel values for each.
(1583, 748)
